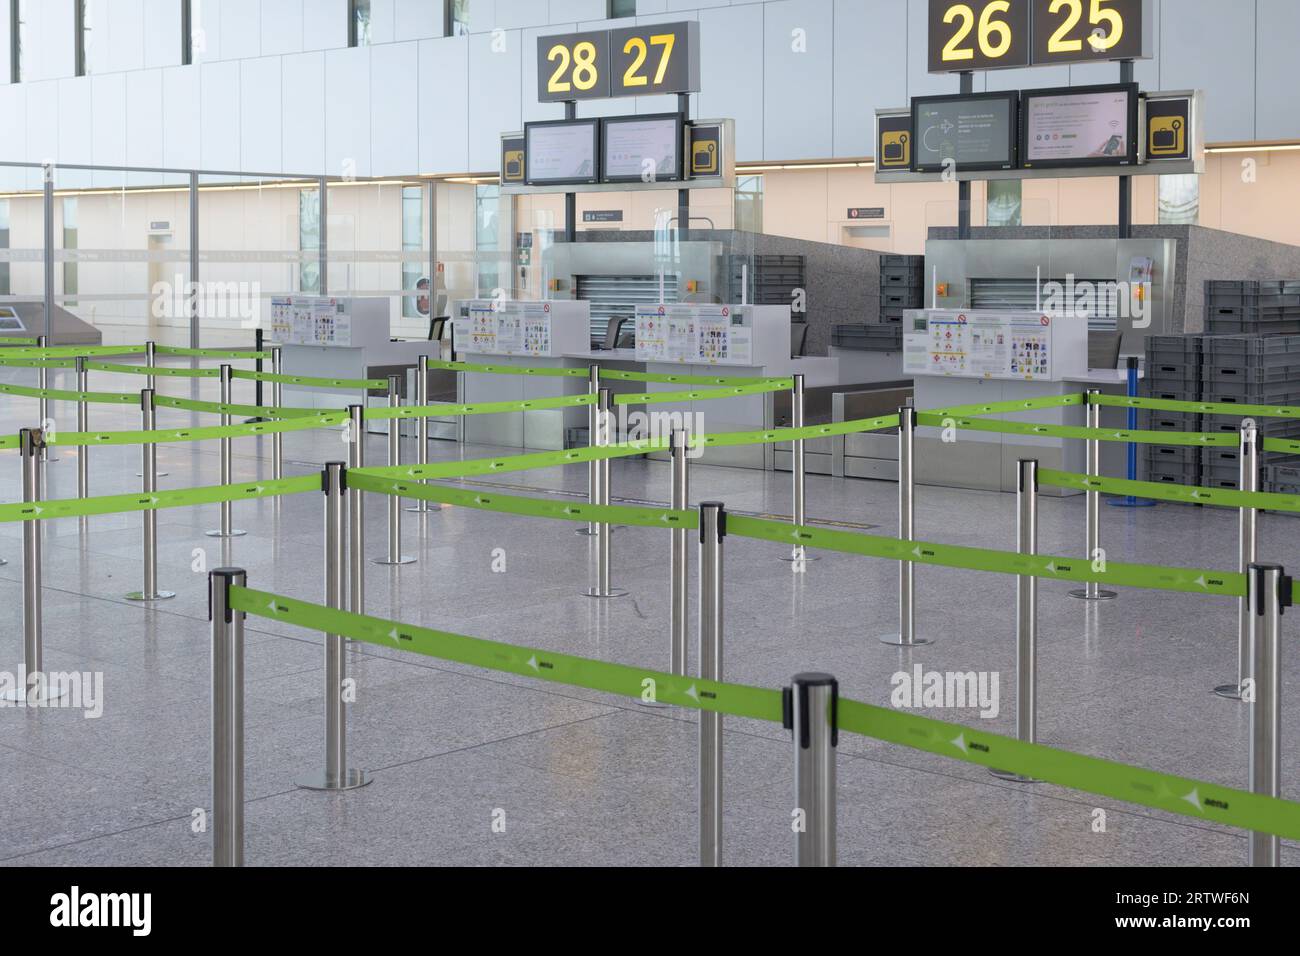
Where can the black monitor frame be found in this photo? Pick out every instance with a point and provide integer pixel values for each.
(594, 123)
(1012, 97)
(608, 121)
(1130, 158)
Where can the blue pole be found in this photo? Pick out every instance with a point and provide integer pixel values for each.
(1130, 501)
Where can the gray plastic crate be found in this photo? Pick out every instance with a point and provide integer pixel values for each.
(1154, 420)
(1221, 325)
(1171, 472)
(1266, 427)
(1172, 394)
(1264, 350)
(870, 338)
(1250, 376)
(1172, 350)
(1286, 474)
(1283, 393)
(1184, 456)
(910, 299)
(1169, 378)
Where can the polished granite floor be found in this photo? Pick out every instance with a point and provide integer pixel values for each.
(580, 777)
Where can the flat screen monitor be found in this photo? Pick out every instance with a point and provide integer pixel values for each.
(562, 152)
(642, 148)
(1079, 126)
(974, 131)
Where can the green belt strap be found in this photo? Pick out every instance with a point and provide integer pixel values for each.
(721, 381)
(485, 408)
(38, 363)
(79, 351)
(19, 340)
(160, 436)
(9, 441)
(59, 395)
(653, 398)
(532, 507)
(155, 370)
(1163, 491)
(347, 383)
(1194, 798)
(251, 411)
(1203, 408)
(737, 699)
(776, 435)
(931, 420)
(494, 466)
(509, 369)
(211, 353)
(1193, 581)
(1284, 445)
(122, 504)
(1004, 408)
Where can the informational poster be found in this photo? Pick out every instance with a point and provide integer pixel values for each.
(310, 320)
(694, 334)
(982, 344)
(1075, 126)
(509, 328)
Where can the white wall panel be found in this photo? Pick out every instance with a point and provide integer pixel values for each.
(241, 29)
(144, 118)
(494, 94)
(383, 26)
(324, 24)
(48, 48)
(562, 11)
(281, 27)
(417, 19)
(5, 47)
(731, 72)
(533, 110)
(162, 33)
(259, 114)
(302, 112)
(798, 50)
(182, 129)
(42, 121)
(106, 125)
(1277, 107)
(1195, 55)
(444, 115)
(205, 31)
(482, 16)
(394, 110)
(13, 124)
(347, 112)
(75, 114)
(116, 40)
(513, 14)
(870, 69)
(219, 114)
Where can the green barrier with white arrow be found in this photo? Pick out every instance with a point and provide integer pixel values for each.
(1200, 408)
(1162, 491)
(478, 408)
(163, 436)
(735, 391)
(1199, 440)
(160, 370)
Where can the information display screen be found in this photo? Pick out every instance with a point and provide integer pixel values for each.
(642, 148)
(562, 152)
(966, 131)
(1080, 126)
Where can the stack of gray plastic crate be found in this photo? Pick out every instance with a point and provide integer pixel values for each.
(1248, 370)
(885, 337)
(1252, 307)
(902, 286)
(1173, 373)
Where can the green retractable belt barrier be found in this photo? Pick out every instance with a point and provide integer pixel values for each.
(1162, 491)
(776, 435)
(248, 411)
(653, 398)
(933, 420)
(348, 383)
(1190, 580)
(160, 436)
(484, 408)
(1284, 445)
(38, 363)
(621, 376)
(494, 466)
(6, 340)
(1007, 408)
(1202, 408)
(532, 507)
(79, 351)
(123, 504)
(9, 441)
(160, 370)
(509, 369)
(60, 395)
(210, 353)
(1182, 795)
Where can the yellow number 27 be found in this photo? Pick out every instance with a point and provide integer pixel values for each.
(637, 47)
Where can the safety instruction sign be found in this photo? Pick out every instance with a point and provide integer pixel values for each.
(694, 334)
(311, 320)
(507, 327)
(981, 344)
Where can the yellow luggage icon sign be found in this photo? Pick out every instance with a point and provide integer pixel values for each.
(1168, 136)
(895, 148)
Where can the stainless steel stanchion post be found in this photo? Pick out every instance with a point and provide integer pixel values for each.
(356, 513)
(83, 426)
(422, 507)
(151, 362)
(1247, 552)
(593, 428)
(336, 775)
(713, 529)
(43, 382)
(798, 554)
(811, 713)
(604, 438)
(149, 483)
(277, 400)
(1026, 614)
(227, 718)
(679, 555)
(1092, 591)
(36, 687)
(906, 634)
(1269, 591)
(394, 556)
(227, 469)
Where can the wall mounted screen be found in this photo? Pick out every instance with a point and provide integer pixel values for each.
(642, 148)
(970, 131)
(562, 152)
(1080, 126)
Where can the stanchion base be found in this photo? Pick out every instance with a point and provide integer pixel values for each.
(896, 640)
(1228, 691)
(235, 533)
(652, 703)
(156, 474)
(1083, 595)
(385, 560)
(424, 511)
(3, 562)
(352, 780)
(613, 593)
(591, 534)
(20, 694)
(1132, 503)
(791, 559)
(141, 596)
(1013, 777)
